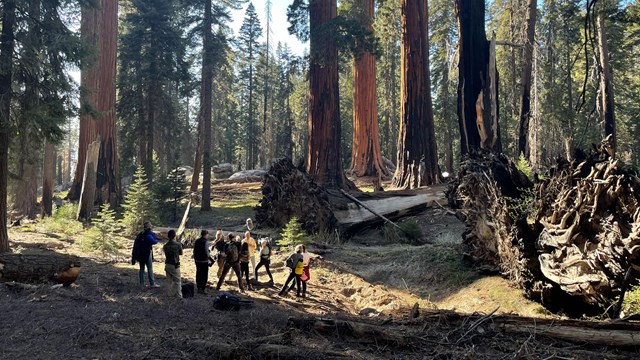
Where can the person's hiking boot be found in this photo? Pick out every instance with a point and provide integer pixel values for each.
(155, 286)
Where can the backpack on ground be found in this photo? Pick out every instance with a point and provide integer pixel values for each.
(227, 301)
(187, 290)
(231, 251)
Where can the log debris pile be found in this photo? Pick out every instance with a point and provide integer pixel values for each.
(568, 240)
(286, 192)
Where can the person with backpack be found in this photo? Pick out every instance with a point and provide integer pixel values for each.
(201, 257)
(143, 253)
(232, 261)
(244, 263)
(305, 274)
(295, 263)
(172, 251)
(265, 259)
(218, 247)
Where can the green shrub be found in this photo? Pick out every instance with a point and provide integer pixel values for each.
(631, 303)
(292, 234)
(62, 221)
(523, 165)
(138, 204)
(103, 234)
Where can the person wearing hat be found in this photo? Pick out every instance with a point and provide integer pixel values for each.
(143, 253)
(201, 257)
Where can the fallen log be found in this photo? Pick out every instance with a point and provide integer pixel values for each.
(36, 268)
(288, 191)
(609, 333)
(360, 332)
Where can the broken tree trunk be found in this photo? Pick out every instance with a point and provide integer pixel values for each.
(34, 268)
(88, 193)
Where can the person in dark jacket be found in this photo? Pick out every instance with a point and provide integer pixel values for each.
(172, 251)
(244, 263)
(295, 263)
(143, 253)
(232, 251)
(201, 257)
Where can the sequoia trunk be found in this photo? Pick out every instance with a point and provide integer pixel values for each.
(606, 84)
(207, 78)
(524, 147)
(478, 82)
(415, 164)
(366, 157)
(323, 151)
(48, 175)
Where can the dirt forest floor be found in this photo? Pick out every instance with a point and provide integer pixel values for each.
(107, 315)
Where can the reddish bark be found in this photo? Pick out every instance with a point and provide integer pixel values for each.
(323, 151)
(366, 157)
(48, 175)
(417, 162)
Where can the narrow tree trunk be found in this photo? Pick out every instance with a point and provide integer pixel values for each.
(606, 83)
(89, 26)
(366, 157)
(66, 178)
(197, 162)
(476, 87)
(88, 192)
(108, 178)
(59, 162)
(48, 175)
(414, 166)
(207, 79)
(324, 160)
(7, 43)
(525, 100)
(448, 137)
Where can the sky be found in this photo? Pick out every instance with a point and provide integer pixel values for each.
(279, 24)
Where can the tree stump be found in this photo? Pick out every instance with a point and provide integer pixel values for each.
(35, 268)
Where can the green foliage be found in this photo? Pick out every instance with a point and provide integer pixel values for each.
(631, 303)
(292, 234)
(523, 206)
(524, 167)
(102, 235)
(63, 221)
(138, 204)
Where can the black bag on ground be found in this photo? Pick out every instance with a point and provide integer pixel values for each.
(228, 301)
(187, 290)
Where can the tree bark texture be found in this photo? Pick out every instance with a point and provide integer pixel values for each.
(34, 268)
(108, 178)
(48, 176)
(197, 162)
(89, 27)
(324, 162)
(7, 44)
(524, 147)
(415, 165)
(477, 88)
(87, 195)
(366, 156)
(606, 83)
(207, 83)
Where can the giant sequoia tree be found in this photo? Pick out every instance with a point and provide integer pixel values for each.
(324, 158)
(417, 161)
(477, 85)
(205, 111)
(366, 158)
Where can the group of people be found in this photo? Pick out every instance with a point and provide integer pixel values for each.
(228, 252)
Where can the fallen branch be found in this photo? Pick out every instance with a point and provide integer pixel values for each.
(360, 332)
